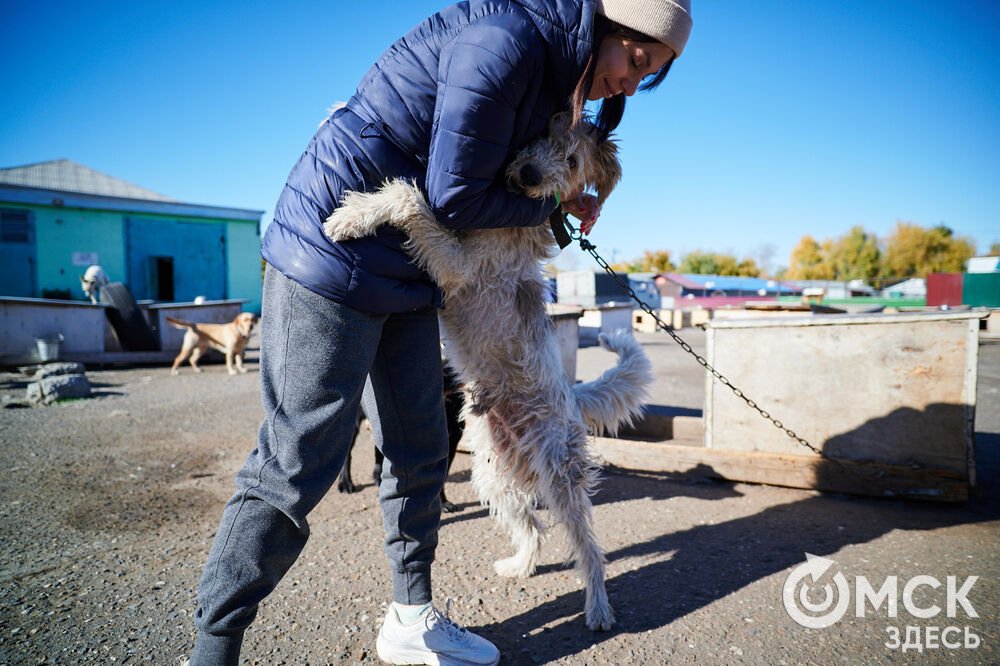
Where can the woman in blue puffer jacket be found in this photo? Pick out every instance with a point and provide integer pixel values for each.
(448, 106)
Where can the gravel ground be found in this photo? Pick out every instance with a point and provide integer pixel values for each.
(108, 507)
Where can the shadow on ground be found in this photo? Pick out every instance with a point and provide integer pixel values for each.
(690, 569)
(701, 565)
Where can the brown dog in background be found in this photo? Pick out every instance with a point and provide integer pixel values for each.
(230, 339)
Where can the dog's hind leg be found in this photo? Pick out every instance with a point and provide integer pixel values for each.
(345, 484)
(377, 468)
(567, 496)
(186, 350)
(195, 355)
(181, 355)
(513, 508)
(515, 511)
(453, 402)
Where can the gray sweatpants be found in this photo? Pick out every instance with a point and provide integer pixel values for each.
(315, 356)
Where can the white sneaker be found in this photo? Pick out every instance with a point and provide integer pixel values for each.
(433, 639)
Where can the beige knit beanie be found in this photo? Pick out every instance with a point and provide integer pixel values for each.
(668, 21)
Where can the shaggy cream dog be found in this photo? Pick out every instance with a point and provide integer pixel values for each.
(525, 421)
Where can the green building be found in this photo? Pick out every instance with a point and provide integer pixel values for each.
(59, 217)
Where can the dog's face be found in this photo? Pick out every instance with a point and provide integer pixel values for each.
(568, 160)
(88, 286)
(92, 280)
(244, 323)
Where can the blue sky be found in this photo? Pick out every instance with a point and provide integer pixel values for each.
(780, 119)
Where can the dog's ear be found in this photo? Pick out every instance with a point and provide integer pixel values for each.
(608, 171)
(559, 124)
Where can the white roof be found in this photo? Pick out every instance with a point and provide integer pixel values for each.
(984, 264)
(69, 176)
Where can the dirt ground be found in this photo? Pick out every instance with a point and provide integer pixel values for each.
(108, 507)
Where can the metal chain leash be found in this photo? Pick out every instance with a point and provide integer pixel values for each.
(590, 248)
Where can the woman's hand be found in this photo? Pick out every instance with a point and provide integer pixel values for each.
(585, 208)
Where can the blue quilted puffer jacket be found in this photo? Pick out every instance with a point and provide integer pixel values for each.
(448, 106)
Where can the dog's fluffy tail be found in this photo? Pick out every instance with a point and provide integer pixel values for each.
(616, 398)
(180, 323)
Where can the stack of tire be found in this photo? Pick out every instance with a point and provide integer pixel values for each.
(127, 320)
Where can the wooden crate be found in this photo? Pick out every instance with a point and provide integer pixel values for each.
(890, 396)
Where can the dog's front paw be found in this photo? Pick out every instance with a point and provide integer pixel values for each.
(353, 219)
(600, 617)
(514, 567)
(336, 230)
(345, 486)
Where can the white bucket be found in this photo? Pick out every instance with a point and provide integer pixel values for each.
(48, 348)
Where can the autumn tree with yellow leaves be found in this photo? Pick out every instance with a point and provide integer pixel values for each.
(909, 251)
(912, 250)
(703, 263)
(809, 262)
(712, 263)
(655, 261)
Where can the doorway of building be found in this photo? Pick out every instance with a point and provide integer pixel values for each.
(170, 260)
(161, 278)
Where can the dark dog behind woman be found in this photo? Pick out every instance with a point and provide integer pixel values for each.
(447, 106)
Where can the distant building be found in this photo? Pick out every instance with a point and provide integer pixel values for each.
(981, 283)
(59, 217)
(835, 289)
(980, 289)
(984, 265)
(589, 289)
(911, 288)
(690, 290)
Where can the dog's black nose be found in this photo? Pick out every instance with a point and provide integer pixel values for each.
(530, 176)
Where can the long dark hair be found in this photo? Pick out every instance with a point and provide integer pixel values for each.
(612, 109)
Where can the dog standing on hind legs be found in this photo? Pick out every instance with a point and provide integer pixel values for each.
(526, 422)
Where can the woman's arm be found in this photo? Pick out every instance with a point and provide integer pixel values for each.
(484, 74)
